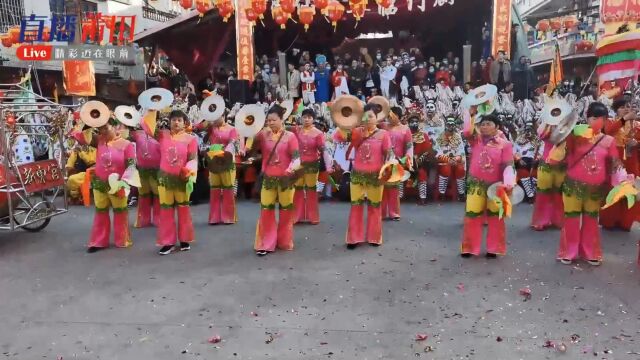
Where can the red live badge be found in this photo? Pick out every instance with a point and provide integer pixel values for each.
(34, 52)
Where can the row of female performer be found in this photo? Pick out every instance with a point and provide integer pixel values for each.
(163, 163)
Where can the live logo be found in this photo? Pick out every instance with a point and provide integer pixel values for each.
(34, 52)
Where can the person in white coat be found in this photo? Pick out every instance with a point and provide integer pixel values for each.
(293, 82)
(387, 75)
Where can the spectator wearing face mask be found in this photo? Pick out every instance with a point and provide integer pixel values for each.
(500, 71)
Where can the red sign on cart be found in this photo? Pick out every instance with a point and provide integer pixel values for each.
(41, 175)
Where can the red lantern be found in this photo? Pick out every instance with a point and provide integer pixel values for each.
(260, 7)
(584, 45)
(555, 24)
(251, 15)
(279, 16)
(335, 11)
(10, 119)
(6, 40)
(321, 5)
(385, 3)
(543, 25)
(358, 9)
(203, 6)
(306, 13)
(570, 22)
(14, 32)
(225, 9)
(288, 6)
(186, 4)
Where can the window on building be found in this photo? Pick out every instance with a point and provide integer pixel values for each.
(11, 12)
(56, 7)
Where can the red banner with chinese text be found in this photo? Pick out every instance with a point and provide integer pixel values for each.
(41, 175)
(619, 10)
(244, 42)
(501, 35)
(79, 77)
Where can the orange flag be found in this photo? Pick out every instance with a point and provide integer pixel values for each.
(555, 74)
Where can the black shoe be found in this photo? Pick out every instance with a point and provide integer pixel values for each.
(374, 244)
(491, 255)
(465, 255)
(93, 249)
(185, 246)
(261, 253)
(422, 202)
(351, 246)
(397, 218)
(462, 197)
(214, 224)
(166, 250)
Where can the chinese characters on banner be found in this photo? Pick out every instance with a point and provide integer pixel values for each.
(619, 10)
(63, 28)
(41, 175)
(244, 42)
(94, 52)
(501, 34)
(79, 77)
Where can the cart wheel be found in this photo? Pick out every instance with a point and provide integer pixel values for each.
(38, 225)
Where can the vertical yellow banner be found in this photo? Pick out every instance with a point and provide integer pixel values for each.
(244, 41)
(501, 35)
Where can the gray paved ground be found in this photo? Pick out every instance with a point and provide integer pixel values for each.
(320, 301)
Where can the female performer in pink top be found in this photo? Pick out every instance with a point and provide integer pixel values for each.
(117, 156)
(178, 169)
(491, 161)
(547, 209)
(280, 158)
(402, 145)
(148, 159)
(222, 202)
(373, 149)
(312, 146)
(592, 162)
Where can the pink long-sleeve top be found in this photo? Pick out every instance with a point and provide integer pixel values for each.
(285, 155)
(401, 141)
(114, 157)
(371, 153)
(176, 152)
(593, 168)
(489, 157)
(311, 142)
(226, 136)
(147, 151)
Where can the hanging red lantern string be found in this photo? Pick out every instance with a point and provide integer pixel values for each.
(384, 3)
(569, 22)
(358, 8)
(542, 25)
(321, 5)
(335, 11)
(6, 40)
(14, 32)
(555, 23)
(251, 15)
(186, 4)
(225, 9)
(260, 7)
(203, 6)
(305, 14)
(279, 16)
(288, 6)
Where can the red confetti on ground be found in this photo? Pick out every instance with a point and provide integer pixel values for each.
(421, 337)
(215, 339)
(526, 292)
(460, 286)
